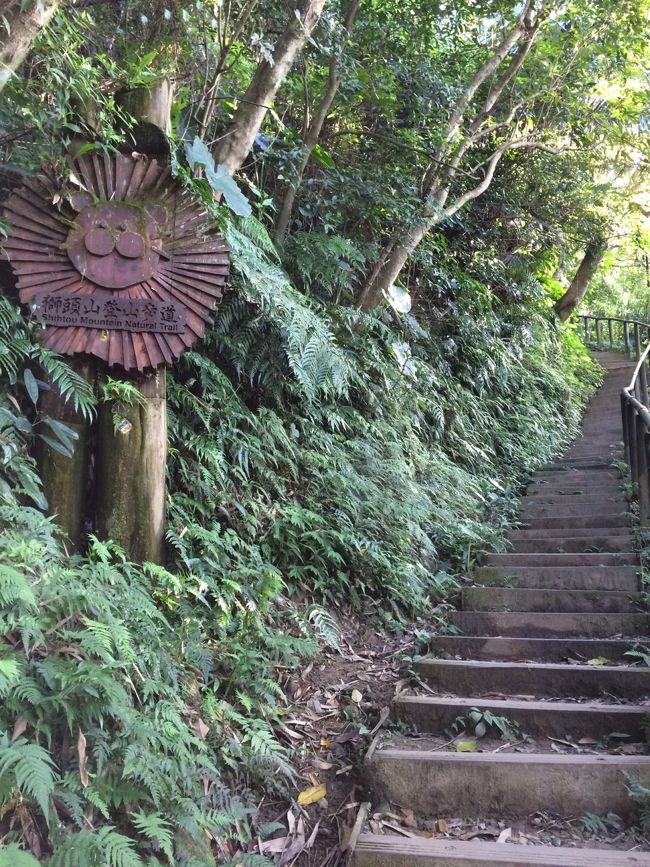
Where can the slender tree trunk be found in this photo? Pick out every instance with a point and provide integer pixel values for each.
(460, 135)
(383, 278)
(315, 127)
(578, 288)
(236, 143)
(19, 30)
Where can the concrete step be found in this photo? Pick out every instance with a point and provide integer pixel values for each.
(572, 476)
(533, 509)
(539, 649)
(541, 679)
(551, 559)
(623, 543)
(376, 850)
(573, 578)
(513, 785)
(542, 599)
(583, 464)
(557, 719)
(575, 533)
(561, 492)
(562, 495)
(518, 624)
(565, 521)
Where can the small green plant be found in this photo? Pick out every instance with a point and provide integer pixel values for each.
(640, 794)
(121, 395)
(593, 824)
(639, 651)
(483, 722)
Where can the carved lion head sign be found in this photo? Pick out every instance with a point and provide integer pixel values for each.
(121, 264)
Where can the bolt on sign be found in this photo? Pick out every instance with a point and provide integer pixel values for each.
(120, 262)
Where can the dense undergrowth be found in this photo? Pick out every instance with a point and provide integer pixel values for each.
(319, 458)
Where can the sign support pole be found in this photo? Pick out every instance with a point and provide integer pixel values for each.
(130, 469)
(132, 449)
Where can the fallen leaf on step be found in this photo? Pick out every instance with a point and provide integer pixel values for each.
(356, 696)
(311, 795)
(408, 818)
(598, 660)
(466, 747)
(442, 827)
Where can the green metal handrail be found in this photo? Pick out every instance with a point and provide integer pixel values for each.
(630, 331)
(636, 426)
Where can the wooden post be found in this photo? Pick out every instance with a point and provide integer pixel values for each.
(151, 108)
(631, 429)
(599, 333)
(626, 337)
(626, 433)
(642, 472)
(585, 323)
(132, 448)
(642, 379)
(610, 329)
(64, 478)
(130, 474)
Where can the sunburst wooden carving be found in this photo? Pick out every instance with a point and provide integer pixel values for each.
(122, 263)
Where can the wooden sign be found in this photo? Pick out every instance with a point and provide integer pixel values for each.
(102, 310)
(121, 263)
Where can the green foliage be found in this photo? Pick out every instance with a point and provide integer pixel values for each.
(640, 794)
(483, 722)
(103, 688)
(121, 395)
(594, 824)
(27, 371)
(319, 456)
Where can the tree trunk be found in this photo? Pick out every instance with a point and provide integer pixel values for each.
(383, 278)
(578, 288)
(315, 127)
(130, 461)
(64, 478)
(446, 163)
(237, 141)
(19, 30)
(130, 473)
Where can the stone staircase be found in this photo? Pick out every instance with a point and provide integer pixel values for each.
(569, 592)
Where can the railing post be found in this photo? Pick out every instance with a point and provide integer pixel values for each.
(610, 329)
(637, 340)
(626, 337)
(631, 431)
(599, 333)
(585, 323)
(642, 472)
(626, 434)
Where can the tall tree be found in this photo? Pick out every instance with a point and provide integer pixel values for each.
(315, 126)
(578, 287)
(235, 144)
(20, 25)
(495, 111)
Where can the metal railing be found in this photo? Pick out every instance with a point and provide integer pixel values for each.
(636, 434)
(624, 333)
(634, 399)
